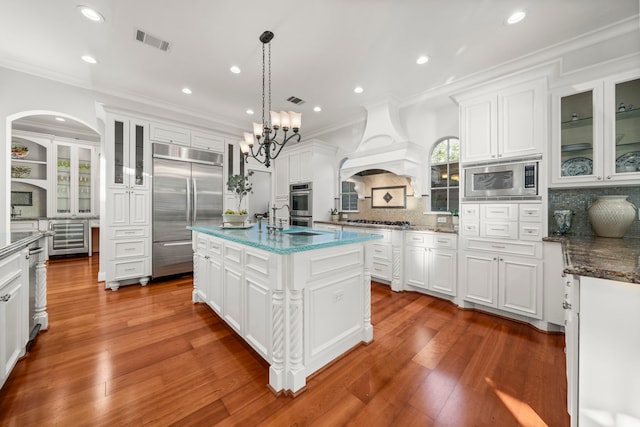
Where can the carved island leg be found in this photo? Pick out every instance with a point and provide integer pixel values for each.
(41, 316)
(276, 370)
(296, 373)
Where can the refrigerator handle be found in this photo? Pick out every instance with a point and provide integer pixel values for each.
(195, 202)
(189, 201)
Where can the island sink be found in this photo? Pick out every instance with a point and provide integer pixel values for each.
(301, 233)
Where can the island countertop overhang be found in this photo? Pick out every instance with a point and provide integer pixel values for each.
(286, 243)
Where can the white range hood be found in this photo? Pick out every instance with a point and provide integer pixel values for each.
(385, 146)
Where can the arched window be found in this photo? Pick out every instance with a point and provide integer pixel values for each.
(445, 175)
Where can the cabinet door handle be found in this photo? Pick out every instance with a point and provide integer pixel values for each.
(5, 297)
(498, 246)
(566, 305)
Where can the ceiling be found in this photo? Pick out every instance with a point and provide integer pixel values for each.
(321, 50)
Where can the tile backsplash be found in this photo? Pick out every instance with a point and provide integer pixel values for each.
(579, 200)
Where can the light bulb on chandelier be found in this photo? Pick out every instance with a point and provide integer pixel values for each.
(266, 146)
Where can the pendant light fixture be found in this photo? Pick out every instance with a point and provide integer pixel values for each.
(265, 147)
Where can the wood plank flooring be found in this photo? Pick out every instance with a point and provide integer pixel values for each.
(148, 356)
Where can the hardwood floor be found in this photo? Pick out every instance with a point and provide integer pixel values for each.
(148, 356)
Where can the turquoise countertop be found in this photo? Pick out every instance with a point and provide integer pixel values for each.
(286, 242)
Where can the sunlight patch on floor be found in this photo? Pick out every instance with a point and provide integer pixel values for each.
(524, 413)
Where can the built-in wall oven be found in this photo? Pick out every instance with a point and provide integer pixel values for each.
(71, 236)
(301, 204)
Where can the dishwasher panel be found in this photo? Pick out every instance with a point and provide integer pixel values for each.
(71, 236)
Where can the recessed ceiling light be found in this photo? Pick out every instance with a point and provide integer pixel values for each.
(186, 90)
(358, 89)
(249, 111)
(90, 59)
(317, 108)
(60, 119)
(423, 59)
(235, 69)
(516, 17)
(91, 14)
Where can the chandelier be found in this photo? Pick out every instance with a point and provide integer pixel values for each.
(267, 147)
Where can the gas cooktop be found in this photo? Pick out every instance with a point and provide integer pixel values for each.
(378, 222)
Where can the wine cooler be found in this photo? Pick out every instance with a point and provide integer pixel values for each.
(71, 236)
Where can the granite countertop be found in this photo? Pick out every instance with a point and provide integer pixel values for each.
(19, 240)
(444, 229)
(285, 243)
(601, 257)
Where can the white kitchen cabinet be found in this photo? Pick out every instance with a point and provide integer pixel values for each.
(602, 352)
(506, 123)
(14, 316)
(502, 281)
(300, 169)
(126, 252)
(163, 132)
(30, 158)
(431, 261)
(75, 175)
(382, 265)
(310, 161)
(207, 141)
(596, 132)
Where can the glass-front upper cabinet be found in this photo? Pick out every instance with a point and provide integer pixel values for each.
(75, 176)
(596, 132)
(129, 165)
(626, 127)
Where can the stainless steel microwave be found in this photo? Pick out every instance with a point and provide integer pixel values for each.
(499, 180)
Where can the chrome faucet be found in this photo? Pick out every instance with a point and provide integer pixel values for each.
(273, 227)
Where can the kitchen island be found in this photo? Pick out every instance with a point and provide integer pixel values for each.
(300, 298)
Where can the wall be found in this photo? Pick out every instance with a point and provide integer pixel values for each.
(579, 200)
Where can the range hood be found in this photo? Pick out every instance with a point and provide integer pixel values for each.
(385, 146)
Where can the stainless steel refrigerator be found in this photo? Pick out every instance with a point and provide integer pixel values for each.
(187, 190)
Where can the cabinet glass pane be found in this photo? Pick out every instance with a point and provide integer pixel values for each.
(139, 160)
(84, 180)
(628, 126)
(63, 179)
(576, 137)
(118, 155)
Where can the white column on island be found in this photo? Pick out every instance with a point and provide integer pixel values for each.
(41, 316)
(296, 372)
(276, 370)
(367, 332)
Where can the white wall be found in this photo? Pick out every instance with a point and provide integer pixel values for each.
(23, 94)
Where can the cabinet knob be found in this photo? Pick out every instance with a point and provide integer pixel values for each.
(599, 178)
(566, 305)
(609, 177)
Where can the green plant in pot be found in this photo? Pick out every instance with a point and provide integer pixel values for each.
(240, 186)
(335, 215)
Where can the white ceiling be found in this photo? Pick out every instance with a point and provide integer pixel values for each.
(322, 49)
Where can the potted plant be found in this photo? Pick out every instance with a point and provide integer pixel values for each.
(335, 216)
(455, 220)
(240, 186)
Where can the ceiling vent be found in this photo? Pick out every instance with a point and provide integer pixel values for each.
(152, 41)
(295, 100)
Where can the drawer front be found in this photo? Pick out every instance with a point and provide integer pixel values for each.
(386, 234)
(129, 248)
(499, 229)
(493, 211)
(10, 267)
(24, 225)
(167, 133)
(214, 246)
(470, 228)
(131, 269)
(530, 231)
(381, 270)
(470, 211)
(533, 249)
(444, 241)
(382, 251)
(127, 232)
(414, 239)
(531, 213)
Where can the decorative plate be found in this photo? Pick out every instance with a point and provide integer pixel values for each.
(577, 166)
(19, 151)
(629, 162)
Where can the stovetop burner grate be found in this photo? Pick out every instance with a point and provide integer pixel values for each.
(379, 222)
